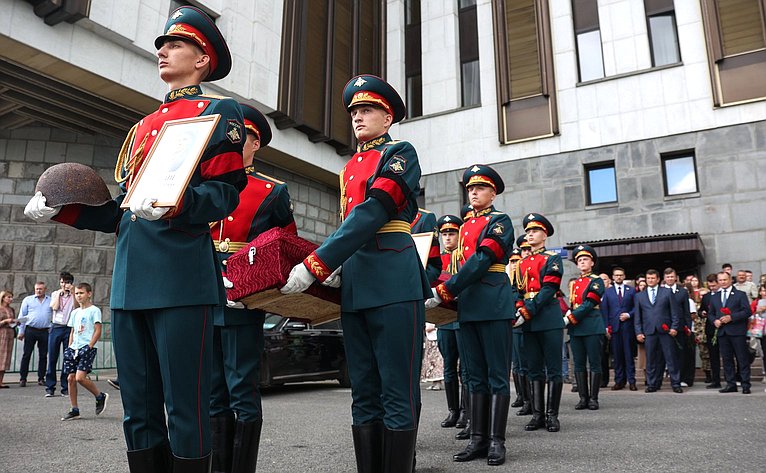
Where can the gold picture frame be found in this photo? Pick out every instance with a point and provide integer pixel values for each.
(171, 161)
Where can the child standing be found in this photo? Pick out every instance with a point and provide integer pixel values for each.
(79, 355)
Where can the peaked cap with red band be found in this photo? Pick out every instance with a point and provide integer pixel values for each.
(449, 223)
(522, 242)
(481, 174)
(534, 220)
(367, 89)
(255, 122)
(193, 25)
(585, 250)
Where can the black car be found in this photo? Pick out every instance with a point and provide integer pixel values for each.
(294, 351)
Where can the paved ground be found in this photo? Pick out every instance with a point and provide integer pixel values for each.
(307, 430)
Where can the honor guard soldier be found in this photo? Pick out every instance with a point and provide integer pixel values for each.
(236, 417)
(519, 369)
(383, 282)
(586, 327)
(425, 221)
(166, 280)
(485, 301)
(539, 279)
(448, 335)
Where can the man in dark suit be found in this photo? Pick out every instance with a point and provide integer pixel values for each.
(656, 323)
(617, 308)
(706, 311)
(685, 345)
(730, 312)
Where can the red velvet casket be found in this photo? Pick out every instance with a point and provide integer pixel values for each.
(445, 312)
(259, 269)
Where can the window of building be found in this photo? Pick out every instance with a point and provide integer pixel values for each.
(663, 34)
(469, 53)
(324, 44)
(601, 183)
(524, 73)
(413, 59)
(590, 56)
(735, 33)
(679, 173)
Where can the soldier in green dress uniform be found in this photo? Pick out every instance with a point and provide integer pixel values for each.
(166, 281)
(235, 404)
(539, 279)
(485, 312)
(586, 326)
(448, 334)
(383, 283)
(425, 222)
(519, 369)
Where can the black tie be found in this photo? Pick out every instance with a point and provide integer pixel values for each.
(619, 294)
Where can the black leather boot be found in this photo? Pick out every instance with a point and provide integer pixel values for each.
(519, 401)
(526, 393)
(498, 419)
(538, 406)
(462, 420)
(477, 447)
(708, 377)
(595, 384)
(247, 439)
(368, 447)
(554, 401)
(399, 450)
(150, 460)
(192, 465)
(222, 438)
(582, 388)
(452, 391)
(465, 434)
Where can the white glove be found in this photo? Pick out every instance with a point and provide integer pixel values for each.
(145, 210)
(234, 305)
(227, 284)
(566, 321)
(37, 210)
(299, 280)
(434, 301)
(333, 280)
(519, 320)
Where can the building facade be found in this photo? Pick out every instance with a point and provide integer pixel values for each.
(636, 124)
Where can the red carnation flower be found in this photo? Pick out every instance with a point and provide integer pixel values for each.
(609, 330)
(687, 331)
(726, 311)
(665, 327)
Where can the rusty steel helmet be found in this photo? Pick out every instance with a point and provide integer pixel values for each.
(72, 183)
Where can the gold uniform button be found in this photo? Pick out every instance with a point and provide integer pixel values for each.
(133, 218)
(165, 110)
(268, 186)
(351, 178)
(473, 221)
(224, 262)
(359, 159)
(350, 199)
(154, 132)
(230, 218)
(200, 104)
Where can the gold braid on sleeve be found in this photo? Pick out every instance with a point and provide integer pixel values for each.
(126, 164)
(343, 199)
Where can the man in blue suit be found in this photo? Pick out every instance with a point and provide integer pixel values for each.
(656, 323)
(617, 308)
(730, 312)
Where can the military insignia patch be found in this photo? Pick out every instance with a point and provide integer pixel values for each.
(595, 286)
(555, 267)
(234, 131)
(531, 216)
(176, 15)
(397, 165)
(475, 169)
(498, 230)
(359, 82)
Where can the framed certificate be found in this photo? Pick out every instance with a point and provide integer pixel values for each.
(423, 245)
(171, 161)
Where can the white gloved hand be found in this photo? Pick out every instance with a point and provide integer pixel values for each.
(519, 319)
(333, 280)
(434, 301)
(234, 305)
(37, 210)
(299, 280)
(145, 210)
(227, 284)
(566, 321)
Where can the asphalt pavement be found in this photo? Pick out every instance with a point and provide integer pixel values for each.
(307, 429)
